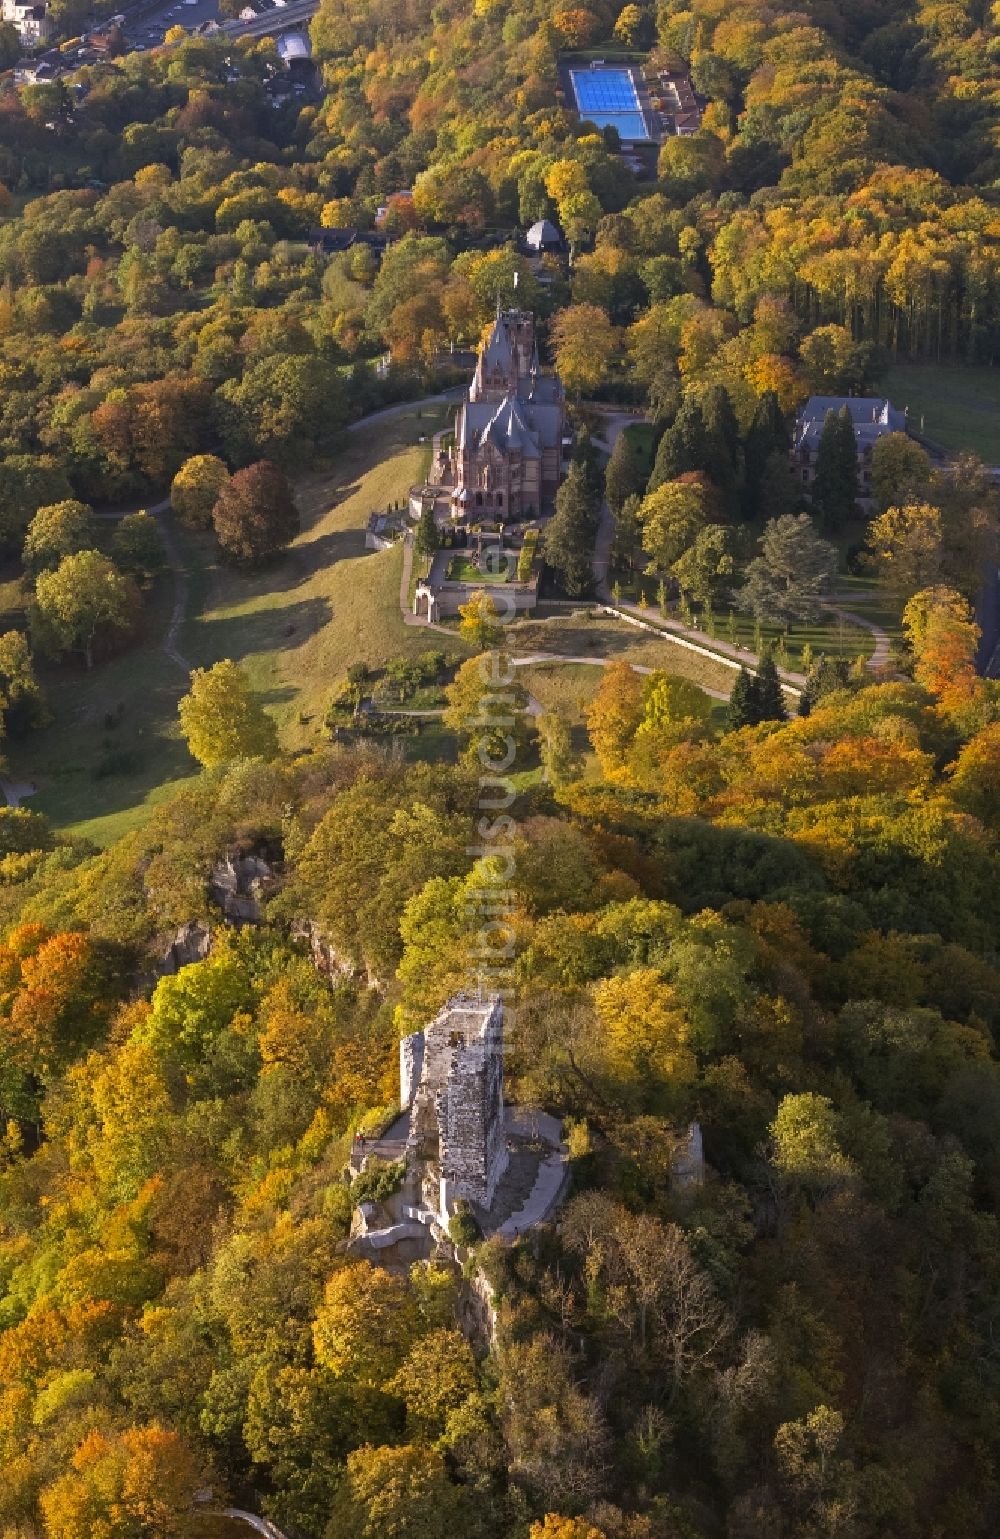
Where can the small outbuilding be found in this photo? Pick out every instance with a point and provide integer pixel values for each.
(543, 236)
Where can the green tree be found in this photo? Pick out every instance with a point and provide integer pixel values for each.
(21, 698)
(623, 477)
(427, 539)
(403, 1491)
(221, 719)
(683, 447)
(672, 517)
(568, 541)
(744, 705)
(487, 708)
(627, 537)
(255, 515)
(767, 436)
(770, 699)
(61, 529)
(84, 602)
(901, 470)
(559, 760)
(195, 489)
(806, 1141)
(785, 582)
(704, 569)
(834, 487)
(137, 546)
(366, 1325)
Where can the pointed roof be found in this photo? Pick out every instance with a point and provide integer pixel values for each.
(508, 428)
(497, 354)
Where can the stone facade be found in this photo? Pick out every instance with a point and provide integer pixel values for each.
(451, 1080)
(507, 459)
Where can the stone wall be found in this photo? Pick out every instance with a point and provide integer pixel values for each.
(411, 1062)
(456, 1117)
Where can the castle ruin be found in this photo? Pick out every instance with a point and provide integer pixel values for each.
(451, 1082)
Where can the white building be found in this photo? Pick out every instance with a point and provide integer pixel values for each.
(31, 21)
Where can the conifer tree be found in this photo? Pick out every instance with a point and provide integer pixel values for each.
(569, 537)
(427, 539)
(770, 699)
(723, 457)
(622, 475)
(744, 709)
(683, 447)
(768, 435)
(835, 485)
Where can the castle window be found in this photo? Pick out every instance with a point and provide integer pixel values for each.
(479, 499)
(499, 499)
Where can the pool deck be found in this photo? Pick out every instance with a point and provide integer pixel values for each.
(653, 134)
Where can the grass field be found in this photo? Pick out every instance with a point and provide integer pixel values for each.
(295, 626)
(607, 637)
(956, 405)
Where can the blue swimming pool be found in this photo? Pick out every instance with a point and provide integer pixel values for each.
(608, 97)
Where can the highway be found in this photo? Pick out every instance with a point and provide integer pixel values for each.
(282, 19)
(149, 31)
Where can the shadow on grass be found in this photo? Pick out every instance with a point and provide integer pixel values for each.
(245, 633)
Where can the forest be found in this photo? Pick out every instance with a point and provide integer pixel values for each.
(785, 929)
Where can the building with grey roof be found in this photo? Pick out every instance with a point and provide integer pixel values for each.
(507, 456)
(872, 416)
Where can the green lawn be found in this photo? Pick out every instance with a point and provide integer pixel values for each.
(114, 749)
(954, 405)
(641, 439)
(461, 569)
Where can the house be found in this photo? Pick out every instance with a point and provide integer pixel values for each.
(31, 20)
(506, 462)
(543, 237)
(872, 416)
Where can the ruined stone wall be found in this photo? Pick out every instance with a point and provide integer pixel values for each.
(456, 1115)
(411, 1063)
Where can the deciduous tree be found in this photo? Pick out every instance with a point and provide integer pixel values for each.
(61, 529)
(222, 720)
(195, 489)
(85, 602)
(255, 514)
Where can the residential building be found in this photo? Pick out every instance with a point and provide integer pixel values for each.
(872, 416)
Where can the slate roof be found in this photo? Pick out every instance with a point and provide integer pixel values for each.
(542, 233)
(873, 416)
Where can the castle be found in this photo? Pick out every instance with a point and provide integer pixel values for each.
(507, 457)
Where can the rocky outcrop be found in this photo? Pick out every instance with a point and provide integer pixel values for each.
(326, 958)
(191, 943)
(238, 883)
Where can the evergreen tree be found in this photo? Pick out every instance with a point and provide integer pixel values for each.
(569, 538)
(770, 699)
(586, 456)
(744, 703)
(767, 436)
(835, 486)
(623, 477)
(427, 539)
(627, 535)
(683, 447)
(723, 462)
